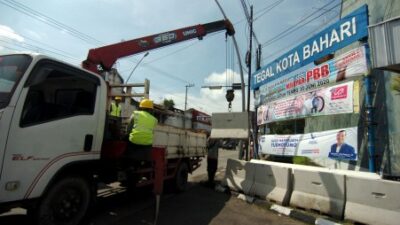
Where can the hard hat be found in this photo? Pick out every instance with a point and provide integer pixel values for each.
(118, 98)
(146, 103)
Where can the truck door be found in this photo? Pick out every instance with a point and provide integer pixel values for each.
(54, 123)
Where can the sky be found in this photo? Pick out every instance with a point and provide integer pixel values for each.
(67, 29)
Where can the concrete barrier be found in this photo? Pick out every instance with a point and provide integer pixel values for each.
(239, 175)
(320, 191)
(273, 183)
(372, 201)
(320, 169)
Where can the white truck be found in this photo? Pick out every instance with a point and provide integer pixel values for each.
(53, 149)
(54, 131)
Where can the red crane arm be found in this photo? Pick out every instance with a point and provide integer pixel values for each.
(106, 56)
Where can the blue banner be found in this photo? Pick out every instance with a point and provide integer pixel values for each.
(349, 29)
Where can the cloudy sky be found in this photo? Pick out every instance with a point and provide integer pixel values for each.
(67, 29)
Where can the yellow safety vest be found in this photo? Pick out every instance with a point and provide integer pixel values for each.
(143, 126)
(115, 110)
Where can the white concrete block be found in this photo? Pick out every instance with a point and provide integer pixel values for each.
(273, 183)
(321, 191)
(372, 201)
(239, 175)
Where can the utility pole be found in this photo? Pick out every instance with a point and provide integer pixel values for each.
(248, 63)
(184, 112)
(248, 58)
(187, 86)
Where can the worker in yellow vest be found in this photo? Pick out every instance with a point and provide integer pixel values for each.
(141, 132)
(115, 108)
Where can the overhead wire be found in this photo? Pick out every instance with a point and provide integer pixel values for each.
(33, 48)
(63, 27)
(59, 51)
(246, 13)
(256, 13)
(50, 21)
(296, 26)
(268, 9)
(299, 40)
(305, 37)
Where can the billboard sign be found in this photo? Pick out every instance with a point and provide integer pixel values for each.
(349, 29)
(337, 99)
(350, 64)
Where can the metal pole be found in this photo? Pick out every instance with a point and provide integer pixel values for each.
(187, 86)
(186, 97)
(239, 59)
(134, 68)
(370, 124)
(184, 112)
(248, 81)
(249, 65)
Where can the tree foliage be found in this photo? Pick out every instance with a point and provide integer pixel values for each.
(169, 103)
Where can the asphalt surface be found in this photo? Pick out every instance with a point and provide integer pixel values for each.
(199, 205)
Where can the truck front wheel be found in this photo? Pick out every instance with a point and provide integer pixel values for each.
(66, 202)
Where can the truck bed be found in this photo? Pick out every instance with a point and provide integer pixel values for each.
(180, 143)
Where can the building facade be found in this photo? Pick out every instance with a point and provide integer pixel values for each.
(293, 131)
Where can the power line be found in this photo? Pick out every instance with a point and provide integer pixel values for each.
(61, 52)
(56, 24)
(61, 26)
(296, 26)
(33, 48)
(256, 13)
(267, 9)
(168, 92)
(50, 21)
(300, 40)
(303, 38)
(246, 13)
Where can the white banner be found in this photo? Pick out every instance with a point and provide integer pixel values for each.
(335, 144)
(350, 64)
(337, 99)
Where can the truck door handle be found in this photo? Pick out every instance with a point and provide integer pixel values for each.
(88, 143)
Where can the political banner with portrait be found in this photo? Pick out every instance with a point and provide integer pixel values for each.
(337, 99)
(350, 64)
(335, 144)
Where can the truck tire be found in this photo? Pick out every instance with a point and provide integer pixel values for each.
(65, 203)
(181, 177)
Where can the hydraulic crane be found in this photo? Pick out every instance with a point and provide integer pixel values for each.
(103, 58)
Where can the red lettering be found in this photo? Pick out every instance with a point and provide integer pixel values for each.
(325, 70)
(309, 75)
(316, 73)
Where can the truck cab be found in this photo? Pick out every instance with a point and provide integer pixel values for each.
(51, 115)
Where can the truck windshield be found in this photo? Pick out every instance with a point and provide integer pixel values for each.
(12, 67)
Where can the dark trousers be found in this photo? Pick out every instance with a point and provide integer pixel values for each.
(212, 165)
(136, 157)
(138, 152)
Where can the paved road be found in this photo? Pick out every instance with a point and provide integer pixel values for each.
(201, 173)
(199, 205)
